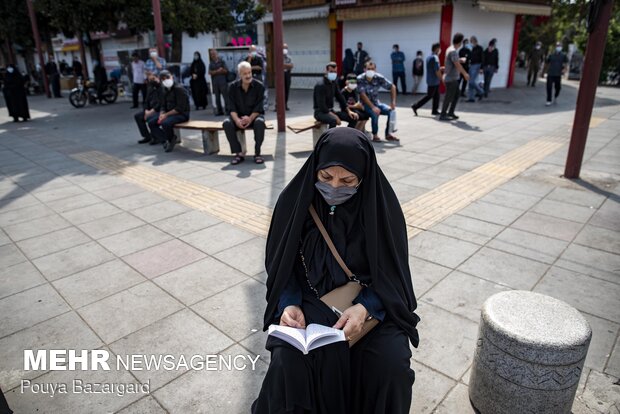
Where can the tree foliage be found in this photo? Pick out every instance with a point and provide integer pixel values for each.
(568, 24)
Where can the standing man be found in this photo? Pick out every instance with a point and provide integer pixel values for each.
(256, 62)
(398, 68)
(433, 79)
(360, 58)
(174, 109)
(534, 60)
(137, 70)
(451, 79)
(475, 65)
(288, 67)
(369, 84)
(490, 65)
(155, 64)
(323, 98)
(465, 56)
(556, 62)
(101, 79)
(245, 100)
(417, 71)
(53, 76)
(77, 67)
(219, 73)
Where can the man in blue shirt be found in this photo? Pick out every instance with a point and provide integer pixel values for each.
(369, 84)
(398, 68)
(155, 64)
(433, 79)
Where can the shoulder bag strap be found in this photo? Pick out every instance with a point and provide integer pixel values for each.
(329, 242)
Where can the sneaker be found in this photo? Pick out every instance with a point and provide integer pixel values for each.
(548, 103)
(452, 116)
(415, 110)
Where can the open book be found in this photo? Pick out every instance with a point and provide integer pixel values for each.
(314, 336)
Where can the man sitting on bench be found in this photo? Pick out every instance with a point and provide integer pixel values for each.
(245, 99)
(324, 93)
(174, 109)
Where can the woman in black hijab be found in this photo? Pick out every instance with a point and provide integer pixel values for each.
(361, 213)
(198, 83)
(348, 66)
(15, 94)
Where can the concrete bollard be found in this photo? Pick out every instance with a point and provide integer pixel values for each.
(530, 354)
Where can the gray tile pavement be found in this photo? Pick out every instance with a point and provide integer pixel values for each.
(89, 260)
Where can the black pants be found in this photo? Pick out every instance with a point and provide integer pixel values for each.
(258, 126)
(463, 82)
(55, 83)
(165, 131)
(551, 81)
(330, 120)
(431, 93)
(138, 88)
(287, 86)
(142, 124)
(402, 77)
(221, 90)
(451, 98)
(532, 74)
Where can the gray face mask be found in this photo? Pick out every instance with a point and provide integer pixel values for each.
(334, 196)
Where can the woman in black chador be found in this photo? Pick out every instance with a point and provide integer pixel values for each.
(15, 94)
(198, 83)
(361, 213)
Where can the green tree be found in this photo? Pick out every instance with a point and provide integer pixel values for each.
(191, 16)
(568, 24)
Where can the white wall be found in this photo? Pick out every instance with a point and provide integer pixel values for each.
(309, 48)
(411, 33)
(486, 26)
(201, 43)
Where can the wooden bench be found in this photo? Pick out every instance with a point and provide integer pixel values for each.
(210, 134)
(317, 127)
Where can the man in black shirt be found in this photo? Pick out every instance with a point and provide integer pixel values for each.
(173, 109)
(245, 98)
(465, 56)
(490, 65)
(535, 59)
(150, 111)
(53, 76)
(556, 62)
(256, 62)
(324, 93)
(352, 96)
(361, 56)
(475, 66)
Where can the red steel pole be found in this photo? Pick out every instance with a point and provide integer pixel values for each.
(278, 55)
(159, 28)
(515, 49)
(587, 89)
(37, 42)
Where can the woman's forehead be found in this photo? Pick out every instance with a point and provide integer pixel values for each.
(338, 170)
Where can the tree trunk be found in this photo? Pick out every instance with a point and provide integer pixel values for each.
(177, 46)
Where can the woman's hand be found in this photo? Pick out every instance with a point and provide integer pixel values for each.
(293, 316)
(352, 321)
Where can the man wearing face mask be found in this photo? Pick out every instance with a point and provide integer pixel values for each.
(370, 82)
(150, 112)
(351, 95)
(535, 58)
(174, 109)
(465, 57)
(398, 68)
(556, 62)
(256, 62)
(155, 64)
(324, 93)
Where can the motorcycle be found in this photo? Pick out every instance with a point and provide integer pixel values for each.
(86, 92)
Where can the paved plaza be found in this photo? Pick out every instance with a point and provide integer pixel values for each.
(107, 244)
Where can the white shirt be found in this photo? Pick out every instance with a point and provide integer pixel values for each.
(137, 68)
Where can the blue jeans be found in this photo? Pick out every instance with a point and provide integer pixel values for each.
(374, 118)
(474, 71)
(489, 71)
(165, 131)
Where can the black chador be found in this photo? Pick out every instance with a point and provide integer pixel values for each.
(15, 94)
(369, 232)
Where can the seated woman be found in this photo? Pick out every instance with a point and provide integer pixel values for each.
(361, 213)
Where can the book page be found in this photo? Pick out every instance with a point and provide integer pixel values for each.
(294, 336)
(319, 335)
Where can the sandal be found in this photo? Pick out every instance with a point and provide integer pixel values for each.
(238, 159)
(258, 159)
